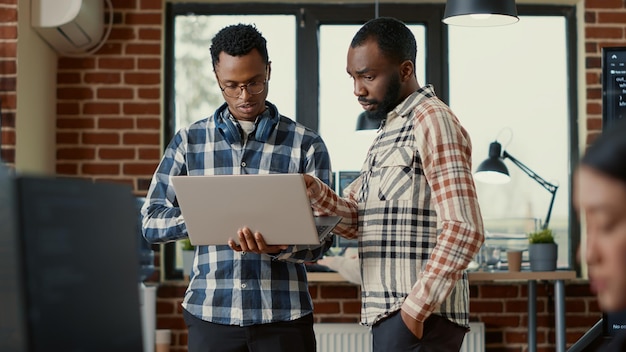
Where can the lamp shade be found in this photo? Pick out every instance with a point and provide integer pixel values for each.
(366, 122)
(480, 13)
(493, 170)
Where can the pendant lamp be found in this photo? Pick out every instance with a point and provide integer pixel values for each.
(480, 13)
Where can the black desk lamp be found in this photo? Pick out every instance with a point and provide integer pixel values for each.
(493, 170)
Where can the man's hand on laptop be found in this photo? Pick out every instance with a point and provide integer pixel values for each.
(253, 242)
(312, 185)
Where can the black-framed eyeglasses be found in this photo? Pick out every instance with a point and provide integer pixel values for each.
(234, 91)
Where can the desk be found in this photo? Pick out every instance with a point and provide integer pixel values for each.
(532, 277)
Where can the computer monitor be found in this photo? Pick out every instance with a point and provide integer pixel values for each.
(12, 303)
(345, 178)
(613, 85)
(77, 266)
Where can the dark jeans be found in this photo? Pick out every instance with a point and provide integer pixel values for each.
(288, 336)
(440, 335)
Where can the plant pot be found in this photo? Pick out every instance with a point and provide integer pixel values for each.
(187, 263)
(542, 256)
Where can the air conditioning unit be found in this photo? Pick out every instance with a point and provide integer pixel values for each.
(69, 26)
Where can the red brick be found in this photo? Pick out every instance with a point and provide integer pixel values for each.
(8, 14)
(110, 49)
(8, 137)
(67, 137)
(76, 153)
(132, 169)
(122, 33)
(143, 49)
(351, 307)
(97, 138)
(152, 108)
(155, 154)
(149, 93)
(114, 63)
(71, 63)
(149, 63)
(8, 32)
(150, 34)
(75, 123)
(100, 169)
(124, 4)
(143, 18)
(604, 32)
(116, 123)
(75, 93)
(103, 78)
(101, 108)
(142, 78)
(8, 67)
(337, 291)
(141, 138)
(115, 93)
(326, 307)
(8, 83)
(604, 4)
(66, 169)
(151, 4)
(68, 78)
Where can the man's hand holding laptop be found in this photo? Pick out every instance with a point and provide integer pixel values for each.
(253, 242)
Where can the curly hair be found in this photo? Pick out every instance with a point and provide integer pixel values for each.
(395, 40)
(238, 40)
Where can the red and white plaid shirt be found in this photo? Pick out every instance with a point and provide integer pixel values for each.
(415, 212)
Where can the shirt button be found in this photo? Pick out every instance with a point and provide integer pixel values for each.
(243, 164)
(243, 285)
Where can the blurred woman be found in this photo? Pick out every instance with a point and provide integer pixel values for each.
(600, 197)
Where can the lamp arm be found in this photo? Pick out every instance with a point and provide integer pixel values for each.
(552, 188)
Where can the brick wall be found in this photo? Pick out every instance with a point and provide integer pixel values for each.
(8, 80)
(109, 104)
(109, 117)
(502, 307)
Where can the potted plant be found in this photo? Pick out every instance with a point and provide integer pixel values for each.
(542, 250)
(188, 253)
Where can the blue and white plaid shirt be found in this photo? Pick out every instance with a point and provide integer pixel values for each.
(228, 287)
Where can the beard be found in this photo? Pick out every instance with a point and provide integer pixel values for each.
(390, 100)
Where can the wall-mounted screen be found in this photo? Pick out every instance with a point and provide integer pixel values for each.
(613, 85)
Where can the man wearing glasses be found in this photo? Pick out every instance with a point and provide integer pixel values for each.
(255, 297)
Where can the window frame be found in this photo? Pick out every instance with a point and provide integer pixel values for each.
(310, 16)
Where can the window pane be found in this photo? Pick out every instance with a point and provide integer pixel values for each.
(197, 93)
(510, 83)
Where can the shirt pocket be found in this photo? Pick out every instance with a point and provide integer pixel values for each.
(396, 175)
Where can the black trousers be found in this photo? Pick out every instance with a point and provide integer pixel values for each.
(440, 335)
(288, 336)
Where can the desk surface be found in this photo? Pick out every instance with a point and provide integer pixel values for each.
(521, 275)
(473, 276)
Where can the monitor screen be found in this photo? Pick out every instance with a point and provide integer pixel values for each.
(613, 85)
(345, 178)
(80, 265)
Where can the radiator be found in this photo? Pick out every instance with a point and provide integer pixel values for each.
(342, 337)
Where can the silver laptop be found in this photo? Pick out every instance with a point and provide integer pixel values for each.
(276, 205)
